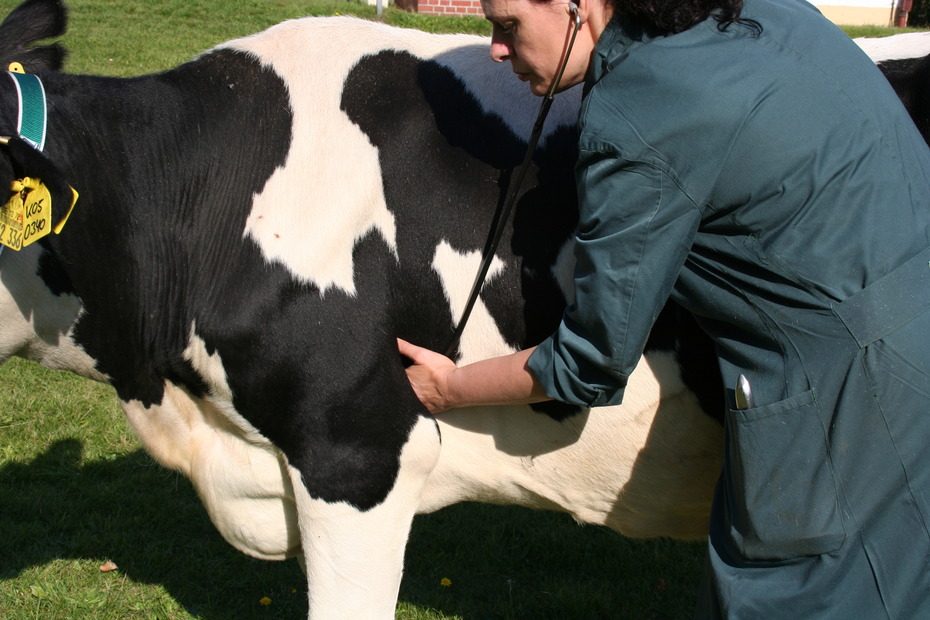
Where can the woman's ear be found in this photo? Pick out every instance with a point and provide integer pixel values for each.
(579, 8)
(595, 11)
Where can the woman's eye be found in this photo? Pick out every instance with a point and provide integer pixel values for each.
(507, 28)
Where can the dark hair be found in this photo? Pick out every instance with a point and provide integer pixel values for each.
(664, 17)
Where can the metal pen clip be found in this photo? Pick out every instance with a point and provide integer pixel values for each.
(743, 393)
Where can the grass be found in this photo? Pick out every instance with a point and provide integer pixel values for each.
(876, 31)
(76, 490)
(130, 37)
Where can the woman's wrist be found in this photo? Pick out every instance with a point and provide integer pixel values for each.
(452, 396)
(495, 381)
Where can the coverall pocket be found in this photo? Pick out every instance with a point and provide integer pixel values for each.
(781, 492)
(898, 369)
(904, 356)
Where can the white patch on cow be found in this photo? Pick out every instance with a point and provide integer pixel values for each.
(240, 476)
(645, 468)
(313, 233)
(456, 273)
(899, 46)
(34, 322)
(210, 368)
(354, 560)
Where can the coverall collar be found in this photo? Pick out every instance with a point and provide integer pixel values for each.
(614, 44)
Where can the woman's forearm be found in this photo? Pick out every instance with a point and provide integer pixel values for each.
(502, 380)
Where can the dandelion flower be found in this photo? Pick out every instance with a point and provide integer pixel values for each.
(445, 582)
(265, 600)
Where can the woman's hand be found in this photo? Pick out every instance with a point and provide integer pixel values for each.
(441, 385)
(429, 375)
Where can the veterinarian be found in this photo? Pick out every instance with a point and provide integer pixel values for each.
(746, 158)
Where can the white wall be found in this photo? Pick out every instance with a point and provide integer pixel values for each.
(858, 12)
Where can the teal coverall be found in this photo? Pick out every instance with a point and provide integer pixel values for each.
(771, 183)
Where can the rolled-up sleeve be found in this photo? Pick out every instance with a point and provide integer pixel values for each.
(635, 230)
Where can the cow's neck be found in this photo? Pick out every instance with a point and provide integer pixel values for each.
(167, 167)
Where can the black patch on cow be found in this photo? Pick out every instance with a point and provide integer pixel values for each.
(910, 79)
(52, 274)
(444, 163)
(676, 330)
(446, 168)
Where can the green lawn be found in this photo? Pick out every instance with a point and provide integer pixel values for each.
(76, 490)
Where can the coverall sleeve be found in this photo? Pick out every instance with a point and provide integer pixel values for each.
(635, 229)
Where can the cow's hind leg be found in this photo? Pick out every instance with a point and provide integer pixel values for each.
(354, 558)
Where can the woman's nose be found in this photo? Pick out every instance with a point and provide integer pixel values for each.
(500, 51)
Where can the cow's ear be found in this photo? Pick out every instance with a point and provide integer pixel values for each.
(32, 21)
(28, 161)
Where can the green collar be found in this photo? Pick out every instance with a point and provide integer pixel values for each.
(31, 120)
(620, 36)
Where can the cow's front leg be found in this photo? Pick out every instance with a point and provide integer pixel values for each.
(354, 557)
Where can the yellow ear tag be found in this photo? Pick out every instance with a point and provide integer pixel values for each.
(27, 216)
(15, 67)
(61, 222)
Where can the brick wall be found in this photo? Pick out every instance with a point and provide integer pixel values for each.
(449, 7)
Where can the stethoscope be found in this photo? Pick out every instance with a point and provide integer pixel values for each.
(497, 225)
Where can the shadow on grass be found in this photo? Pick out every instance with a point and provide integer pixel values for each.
(503, 562)
(144, 518)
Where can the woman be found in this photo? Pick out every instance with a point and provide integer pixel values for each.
(748, 160)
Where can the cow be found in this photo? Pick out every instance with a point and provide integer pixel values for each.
(272, 232)
(269, 237)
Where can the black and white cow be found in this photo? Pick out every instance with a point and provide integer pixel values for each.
(256, 227)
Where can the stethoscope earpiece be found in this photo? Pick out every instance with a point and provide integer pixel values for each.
(575, 12)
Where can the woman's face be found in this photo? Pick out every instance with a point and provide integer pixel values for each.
(533, 36)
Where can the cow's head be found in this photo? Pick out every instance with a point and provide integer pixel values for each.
(30, 22)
